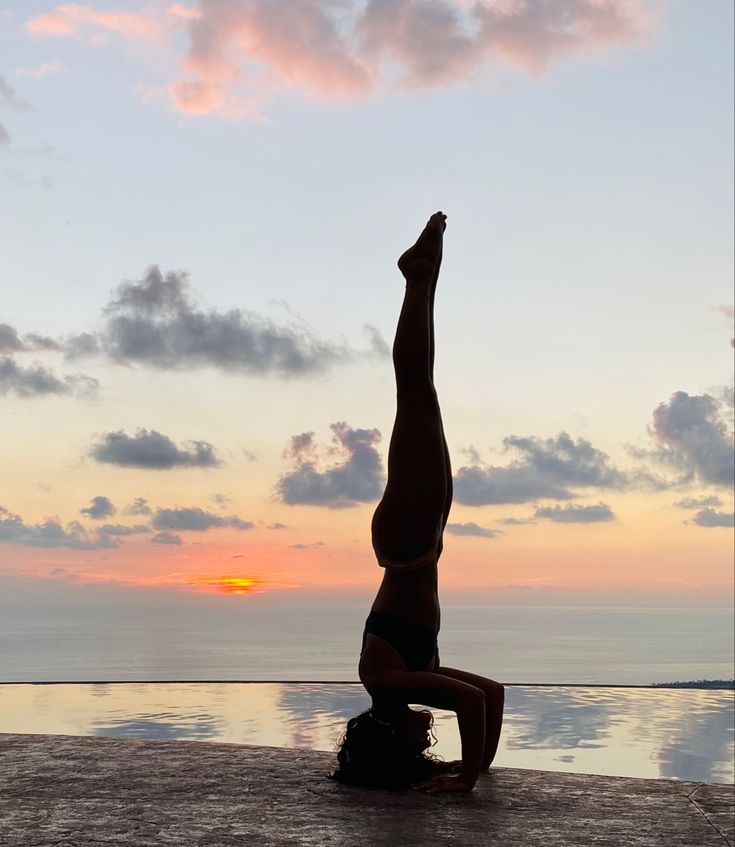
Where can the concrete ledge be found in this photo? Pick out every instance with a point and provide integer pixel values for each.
(83, 791)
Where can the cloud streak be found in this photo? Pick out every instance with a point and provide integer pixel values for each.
(571, 513)
(74, 18)
(166, 538)
(35, 380)
(194, 519)
(50, 533)
(473, 529)
(152, 450)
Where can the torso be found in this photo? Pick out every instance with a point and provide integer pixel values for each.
(412, 595)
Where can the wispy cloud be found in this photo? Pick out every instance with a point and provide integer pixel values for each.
(43, 70)
(10, 99)
(167, 538)
(571, 513)
(240, 52)
(471, 528)
(698, 502)
(35, 380)
(194, 519)
(139, 506)
(74, 18)
(120, 529)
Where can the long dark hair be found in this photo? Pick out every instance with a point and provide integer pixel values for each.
(370, 754)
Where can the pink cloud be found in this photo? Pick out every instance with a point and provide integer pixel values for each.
(342, 51)
(300, 43)
(70, 18)
(178, 10)
(241, 51)
(197, 97)
(531, 35)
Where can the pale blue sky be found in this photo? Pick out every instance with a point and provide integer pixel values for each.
(588, 250)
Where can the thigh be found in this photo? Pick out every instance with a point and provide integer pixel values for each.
(405, 523)
(417, 471)
(487, 685)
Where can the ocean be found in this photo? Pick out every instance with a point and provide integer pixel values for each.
(236, 639)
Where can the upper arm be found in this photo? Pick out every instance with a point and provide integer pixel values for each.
(425, 688)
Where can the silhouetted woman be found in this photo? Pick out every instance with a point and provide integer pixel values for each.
(399, 663)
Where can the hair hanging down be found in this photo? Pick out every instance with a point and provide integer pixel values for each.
(371, 755)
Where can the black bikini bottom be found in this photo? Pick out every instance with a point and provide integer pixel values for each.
(416, 644)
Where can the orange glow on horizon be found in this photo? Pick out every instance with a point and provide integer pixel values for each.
(228, 584)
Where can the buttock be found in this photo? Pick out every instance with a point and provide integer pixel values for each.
(430, 555)
(417, 645)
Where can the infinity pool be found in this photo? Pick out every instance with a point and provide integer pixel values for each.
(652, 733)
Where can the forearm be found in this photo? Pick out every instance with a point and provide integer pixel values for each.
(471, 719)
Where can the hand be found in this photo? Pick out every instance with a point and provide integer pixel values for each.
(453, 766)
(443, 784)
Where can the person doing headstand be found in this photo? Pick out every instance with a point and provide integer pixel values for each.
(399, 663)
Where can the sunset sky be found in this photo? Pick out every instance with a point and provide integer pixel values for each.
(203, 203)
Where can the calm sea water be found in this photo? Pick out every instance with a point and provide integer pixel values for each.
(650, 733)
(250, 641)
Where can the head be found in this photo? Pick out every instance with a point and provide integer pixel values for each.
(387, 751)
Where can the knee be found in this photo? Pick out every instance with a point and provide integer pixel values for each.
(420, 394)
(495, 691)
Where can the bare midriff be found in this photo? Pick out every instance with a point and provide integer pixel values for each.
(412, 595)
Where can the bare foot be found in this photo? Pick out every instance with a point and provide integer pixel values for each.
(419, 263)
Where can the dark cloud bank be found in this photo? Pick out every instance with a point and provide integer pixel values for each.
(155, 321)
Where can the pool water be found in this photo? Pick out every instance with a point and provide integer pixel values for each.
(639, 732)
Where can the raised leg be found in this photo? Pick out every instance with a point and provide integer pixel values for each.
(447, 461)
(405, 522)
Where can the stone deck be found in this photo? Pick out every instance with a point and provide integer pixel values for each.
(81, 791)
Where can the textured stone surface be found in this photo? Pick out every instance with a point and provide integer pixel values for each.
(63, 790)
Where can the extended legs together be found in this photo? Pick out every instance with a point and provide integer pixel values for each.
(418, 494)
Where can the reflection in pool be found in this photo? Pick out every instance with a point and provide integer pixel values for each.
(653, 733)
